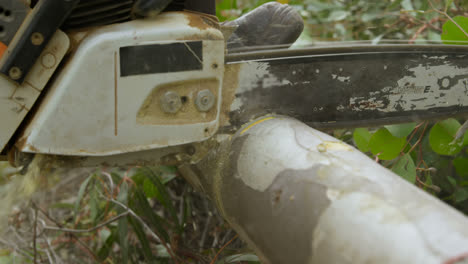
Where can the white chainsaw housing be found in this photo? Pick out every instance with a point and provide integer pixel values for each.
(104, 101)
(16, 101)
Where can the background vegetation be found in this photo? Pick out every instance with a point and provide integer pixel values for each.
(150, 215)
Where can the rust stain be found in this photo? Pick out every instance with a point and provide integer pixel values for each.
(277, 196)
(32, 148)
(366, 105)
(11, 157)
(150, 112)
(204, 35)
(21, 143)
(230, 83)
(77, 36)
(116, 115)
(209, 130)
(204, 23)
(201, 20)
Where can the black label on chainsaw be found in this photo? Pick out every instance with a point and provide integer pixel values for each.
(161, 58)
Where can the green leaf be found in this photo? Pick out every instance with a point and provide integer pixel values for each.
(163, 196)
(123, 223)
(401, 130)
(428, 181)
(93, 204)
(385, 145)
(63, 206)
(361, 138)
(168, 173)
(452, 181)
(140, 233)
(10, 259)
(104, 251)
(239, 258)
(187, 209)
(149, 188)
(123, 238)
(460, 195)
(161, 252)
(448, 3)
(317, 6)
(405, 168)
(139, 203)
(442, 135)
(461, 166)
(370, 16)
(123, 193)
(81, 193)
(337, 15)
(452, 34)
(465, 139)
(394, 4)
(103, 234)
(407, 5)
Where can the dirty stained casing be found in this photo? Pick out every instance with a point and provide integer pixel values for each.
(106, 97)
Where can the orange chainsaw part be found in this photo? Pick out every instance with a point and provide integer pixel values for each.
(3, 47)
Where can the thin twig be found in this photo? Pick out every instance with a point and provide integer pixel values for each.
(457, 259)
(207, 225)
(49, 257)
(228, 233)
(70, 230)
(205, 231)
(156, 237)
(417, 33)
(109, 178)
(51, 249)
(16, 248)
(432, 187)
(34, 235)
(419, 139)
(461, 131)
(449, 18)
(87, 249)
(219, 252)
(415, 130)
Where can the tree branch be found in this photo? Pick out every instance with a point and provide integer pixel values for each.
(113, 219)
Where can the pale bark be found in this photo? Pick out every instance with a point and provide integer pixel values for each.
(298, 195)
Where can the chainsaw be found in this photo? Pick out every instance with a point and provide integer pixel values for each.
(92, 82)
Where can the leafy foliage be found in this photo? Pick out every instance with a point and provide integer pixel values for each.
(442, 137)
(405, 168)
(452, 32)
(434, 159)
(384, 145)
(362, 138)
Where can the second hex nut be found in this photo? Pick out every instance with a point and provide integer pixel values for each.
(205, 100)
(171, 102)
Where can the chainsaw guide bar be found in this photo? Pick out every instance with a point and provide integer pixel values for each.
(351, 86)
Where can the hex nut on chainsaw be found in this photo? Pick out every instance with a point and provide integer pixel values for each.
(171, 102)
(205, 100)
(37, 38)
(15, 73)
(48, 60)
